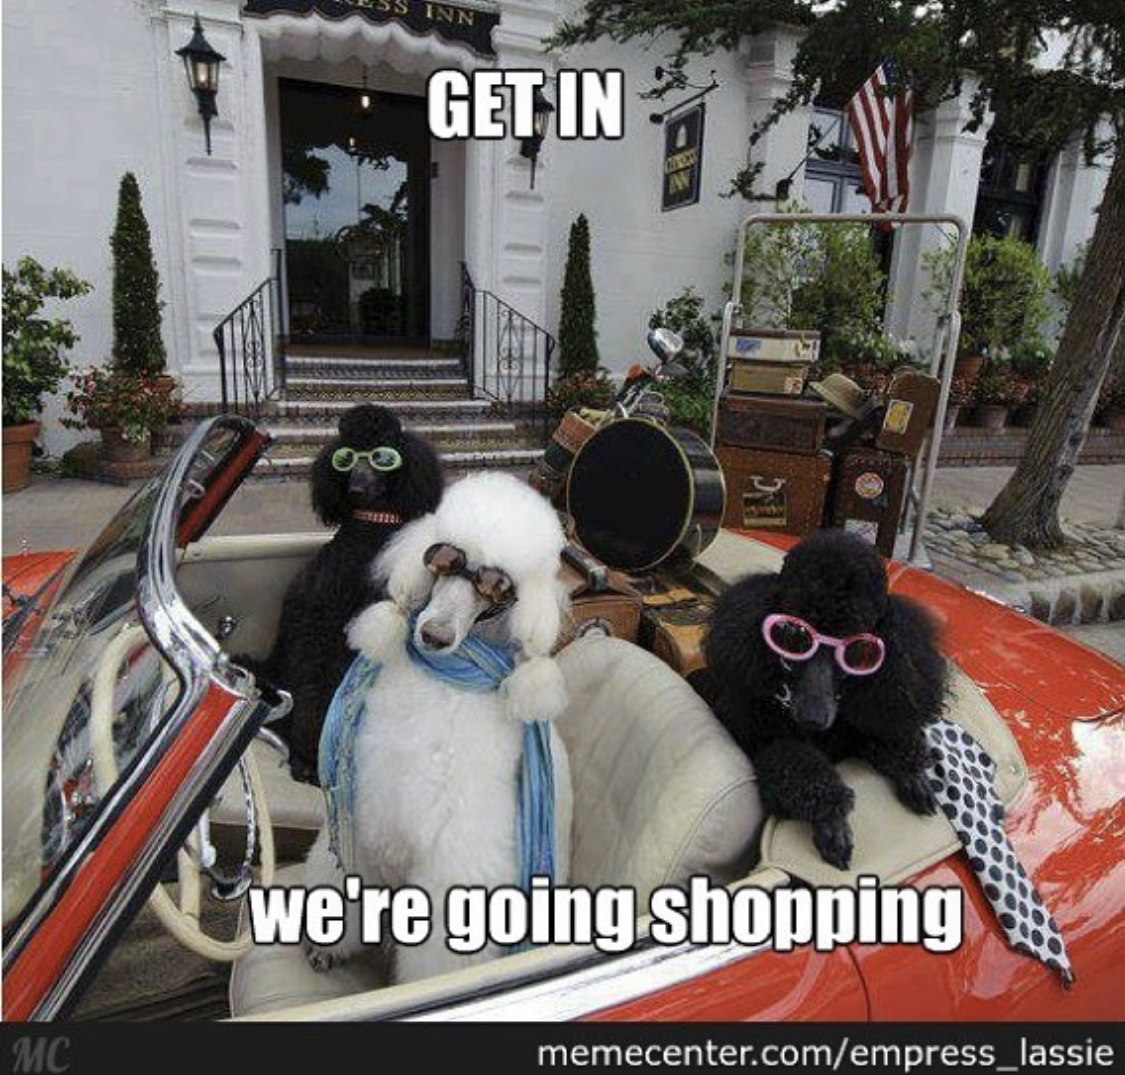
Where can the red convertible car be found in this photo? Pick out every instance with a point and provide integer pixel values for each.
(142, 795)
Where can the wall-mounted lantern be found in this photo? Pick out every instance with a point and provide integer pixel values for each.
(541, 110)
(201, 62)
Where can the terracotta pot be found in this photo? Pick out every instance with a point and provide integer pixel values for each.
(990, 415)
(116, 449)
(968, 367)
(18, 442)
(1114, 420)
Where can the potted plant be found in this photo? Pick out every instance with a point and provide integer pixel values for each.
(124, 407)
(1030, 361)
(1003, 298)
(34, 365)
(996, 392)
(578, 335)
(579, 390)
(822, 277)
(690, 397)
(960, 396)
(138, 346)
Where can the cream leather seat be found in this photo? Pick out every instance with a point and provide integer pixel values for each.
(661, 793)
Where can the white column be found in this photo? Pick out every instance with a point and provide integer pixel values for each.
(506, 222)
(944, 178)
(218, 204)
(1074, 191)
(769, 60)
(510, 257)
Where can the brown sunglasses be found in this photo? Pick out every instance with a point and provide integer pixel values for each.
(491, 583)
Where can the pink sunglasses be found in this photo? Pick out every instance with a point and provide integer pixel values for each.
(790, 637)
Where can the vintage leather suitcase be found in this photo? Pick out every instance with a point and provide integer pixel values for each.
(912, 401)
(868, 495)
(786, 425)
(601, 599)
(774, 345)
(675, 633)
(771, 378)
(781, 491)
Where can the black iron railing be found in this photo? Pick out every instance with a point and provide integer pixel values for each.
(251, 344)
(506, 356)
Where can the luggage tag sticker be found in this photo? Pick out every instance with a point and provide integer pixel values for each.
(869, 486)
(897, 418)
(766, 505)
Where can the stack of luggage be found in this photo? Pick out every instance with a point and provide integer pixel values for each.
(800, 456)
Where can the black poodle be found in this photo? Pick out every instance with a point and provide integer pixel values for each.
(374, 477)
(796, 702)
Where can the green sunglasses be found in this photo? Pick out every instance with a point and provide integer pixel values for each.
(345, 459)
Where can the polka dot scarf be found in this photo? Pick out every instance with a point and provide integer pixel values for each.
(961, 774)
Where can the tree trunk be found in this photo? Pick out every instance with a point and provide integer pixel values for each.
(1026, 510)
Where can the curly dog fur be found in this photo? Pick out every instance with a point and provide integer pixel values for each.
(436, 765)
(794, 719)
(310, 654)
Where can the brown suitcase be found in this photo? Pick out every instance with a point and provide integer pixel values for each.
(912, 403)
(771, 378)
(675, 634)
(774, 490)
(600, 599)
(868, 496)
(774, 345)
(790, 425)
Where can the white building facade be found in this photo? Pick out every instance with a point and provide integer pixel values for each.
(297, 167)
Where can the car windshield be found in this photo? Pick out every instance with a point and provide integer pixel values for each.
(85, 693)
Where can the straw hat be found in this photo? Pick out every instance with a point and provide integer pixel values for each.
(843, 394)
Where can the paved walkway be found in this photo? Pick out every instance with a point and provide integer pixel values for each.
(54, 513)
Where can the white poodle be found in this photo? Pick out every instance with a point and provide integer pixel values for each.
(436, 764)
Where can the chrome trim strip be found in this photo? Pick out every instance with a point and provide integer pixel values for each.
(197, 661)
(607, 984)
(128, 887)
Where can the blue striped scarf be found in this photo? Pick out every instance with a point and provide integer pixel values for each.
(476, 666)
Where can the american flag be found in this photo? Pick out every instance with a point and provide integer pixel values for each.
(884, 130)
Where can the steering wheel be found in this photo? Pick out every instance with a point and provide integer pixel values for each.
(182, 918)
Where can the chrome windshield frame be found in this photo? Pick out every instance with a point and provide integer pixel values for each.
(200, 665)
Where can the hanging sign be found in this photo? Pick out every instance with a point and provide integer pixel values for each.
(683, 157)
(452, 22)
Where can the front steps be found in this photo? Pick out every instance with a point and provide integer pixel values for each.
(426, 390)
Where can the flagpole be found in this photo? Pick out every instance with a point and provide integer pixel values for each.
(781, 187)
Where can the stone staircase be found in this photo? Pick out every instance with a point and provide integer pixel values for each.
(426, 389)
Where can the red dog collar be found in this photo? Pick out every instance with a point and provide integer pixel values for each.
(387, 518)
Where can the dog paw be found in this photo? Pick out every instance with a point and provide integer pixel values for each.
(536, 690)
(320, 959)
(834, 841)
(379, 631)
(916, 794)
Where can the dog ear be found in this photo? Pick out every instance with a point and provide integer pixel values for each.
(421, 480)
(400, 566)
(537, 616)
(914, 661)
(329, 488)
(733, 642)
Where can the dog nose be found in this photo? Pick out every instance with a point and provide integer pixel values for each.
(436, 635)
(814, 693)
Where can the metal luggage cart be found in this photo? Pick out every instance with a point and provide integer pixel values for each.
(947, 335)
